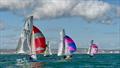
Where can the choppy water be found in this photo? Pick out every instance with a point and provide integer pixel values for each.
(78, 61)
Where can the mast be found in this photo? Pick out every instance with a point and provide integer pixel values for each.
(92, 42)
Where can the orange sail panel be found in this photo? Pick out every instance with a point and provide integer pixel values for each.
(39, 40)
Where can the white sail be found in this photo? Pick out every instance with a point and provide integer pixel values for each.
(21, 43)
(25, 38)
(48, 50)
(28, 29)
(89, 50)
(62, 44)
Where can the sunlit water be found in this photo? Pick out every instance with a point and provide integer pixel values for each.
(78, 61)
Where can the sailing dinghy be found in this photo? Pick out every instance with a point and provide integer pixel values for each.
(24, 40)
(67, 46)
(93, 49)
(32, 40)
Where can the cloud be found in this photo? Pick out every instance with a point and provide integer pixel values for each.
(14, 4)
(53, 9)
(47, 9)
(91, 9)
(88, 9)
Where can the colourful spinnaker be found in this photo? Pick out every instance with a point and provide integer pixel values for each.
(39, 41)
(71, 45)
(94, 49)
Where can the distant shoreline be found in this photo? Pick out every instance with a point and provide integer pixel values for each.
(54, 51)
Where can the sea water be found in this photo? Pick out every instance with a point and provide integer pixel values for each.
(78, 61)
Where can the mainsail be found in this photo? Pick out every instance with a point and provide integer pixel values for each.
(24, 40)
(62, 44)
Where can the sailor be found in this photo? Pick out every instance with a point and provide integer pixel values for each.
(32, 58)
(68, 57)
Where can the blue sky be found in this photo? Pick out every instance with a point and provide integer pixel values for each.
(82, 28)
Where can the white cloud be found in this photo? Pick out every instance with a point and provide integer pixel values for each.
(53, 8)
(14, 4)
(46, 9)
(91, 9)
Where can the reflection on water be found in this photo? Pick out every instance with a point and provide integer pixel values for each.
(30, 65)
(37, 65)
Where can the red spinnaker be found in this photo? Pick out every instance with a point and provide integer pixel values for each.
(39, 40)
